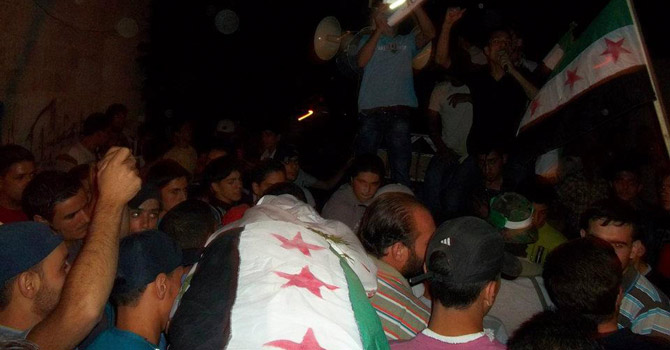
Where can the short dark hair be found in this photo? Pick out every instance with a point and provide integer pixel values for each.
(47, 189)
(265, 168)
(286, 188)
(551, 330)
(612, 212)
(220, 169)
(388, 220)
(189, 223)
(165, 170)
(583, 276)
(368, 163)
(94, 123)
(116, 109)
(452, 295)
(11, 154)
(131, 298)
(489, 146)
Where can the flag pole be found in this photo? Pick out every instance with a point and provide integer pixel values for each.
(661, 114)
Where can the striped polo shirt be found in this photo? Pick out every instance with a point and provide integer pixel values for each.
(402, 314)
(644, 308)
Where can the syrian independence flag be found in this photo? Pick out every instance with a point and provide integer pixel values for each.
(282, 277)
(600, 76)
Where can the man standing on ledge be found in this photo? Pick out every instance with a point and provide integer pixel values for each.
(387, 89)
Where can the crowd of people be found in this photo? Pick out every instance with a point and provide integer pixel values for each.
(226, 246)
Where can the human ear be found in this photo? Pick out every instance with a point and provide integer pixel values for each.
(161, 286)
(29, 284)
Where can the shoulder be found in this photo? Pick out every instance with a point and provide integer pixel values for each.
(644, 288)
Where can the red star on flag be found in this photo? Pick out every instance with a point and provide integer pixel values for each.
(297, 243)
(533, 106)
(572, 78)
(305, 279)
(614, 48)
(308, 343)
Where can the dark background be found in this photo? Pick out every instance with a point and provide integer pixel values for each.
(267, 72)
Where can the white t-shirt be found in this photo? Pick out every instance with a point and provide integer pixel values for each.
(456, 121)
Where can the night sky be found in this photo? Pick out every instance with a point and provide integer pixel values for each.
(267, 70)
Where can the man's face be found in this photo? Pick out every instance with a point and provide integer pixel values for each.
(175, 192)
(365, 185)
(498, 42)
(425, 227)
(271, 179)
(15, 180)
(491, 166)
(626, 186)
(620, 237)
(539, 214)
(292, 167)
(269, 139)
(55, 268)
(70, 218)
(146, 216)
(229, 190)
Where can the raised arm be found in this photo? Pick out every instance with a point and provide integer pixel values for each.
(426, 26)
(368, 50)
(528, 87)
(442, 55)
(91, 277)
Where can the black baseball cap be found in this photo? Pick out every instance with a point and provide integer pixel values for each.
(23, 245)
(142, 257)
(471, 250)
(148, 191)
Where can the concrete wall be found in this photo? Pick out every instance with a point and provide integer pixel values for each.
(61, 60)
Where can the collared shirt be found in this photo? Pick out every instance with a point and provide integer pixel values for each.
(429, 340)
(115, 338)
(343, 206)
(644, 308)
(402, 314)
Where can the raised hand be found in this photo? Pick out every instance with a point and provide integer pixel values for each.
(118, 179)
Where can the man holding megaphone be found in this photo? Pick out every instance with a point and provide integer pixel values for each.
(387, 95)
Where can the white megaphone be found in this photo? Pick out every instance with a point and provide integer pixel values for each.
(331, 41)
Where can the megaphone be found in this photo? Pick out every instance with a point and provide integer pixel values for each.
(330, 41)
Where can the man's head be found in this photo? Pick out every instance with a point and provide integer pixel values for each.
(58, 199)
(96, 129)
(148, 277)
(396, 228)
(499, 43)
(583, 276)
(182, 134)
(614, 222)
(491, 162)
(117, 114)
(286, 188)
(32, 273)
(17, 168)
(367, 174)
(512, 214)
(224, 179)
(189, 224)
(626, 184)
(266, 174)
(270, 138)
(145, 209)
(541, 195)
(464, 261)
(171, 179)
(290, 157)
(217, 149)
(551, 330)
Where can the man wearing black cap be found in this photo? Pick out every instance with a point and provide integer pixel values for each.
(145, 209)
(32, 274)
(464, 261)
(147, 283)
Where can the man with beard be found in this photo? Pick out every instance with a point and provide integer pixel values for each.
(395, 231)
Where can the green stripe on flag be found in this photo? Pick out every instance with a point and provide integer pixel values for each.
(369, 325)
(614, 16)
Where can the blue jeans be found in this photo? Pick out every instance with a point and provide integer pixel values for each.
(392, 126)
